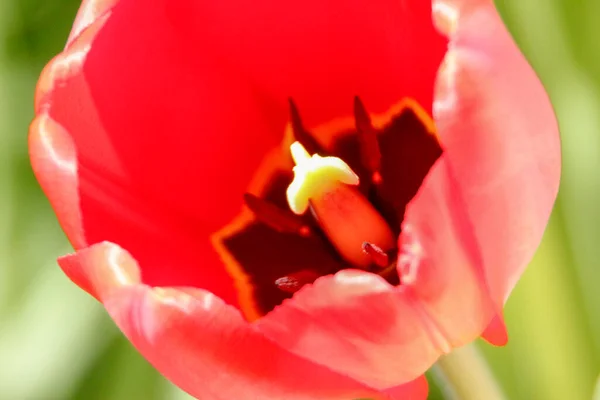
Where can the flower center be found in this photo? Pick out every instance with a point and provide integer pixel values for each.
(332, 197)
(326, 185)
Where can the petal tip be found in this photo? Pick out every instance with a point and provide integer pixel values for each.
(65, 65)
(495, 333)
(445, 16)
(54, 163)
(100, 269)
(89, 12)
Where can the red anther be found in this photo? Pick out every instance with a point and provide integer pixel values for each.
(300, 133)
(277, 218)
(370, 154)
(379, 257)
(293, 282)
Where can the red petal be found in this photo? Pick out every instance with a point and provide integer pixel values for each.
(169, 127)
(500, 137)
(199, 342)
(414, 390)
(181, 121)
(323, 53)
(91, 198)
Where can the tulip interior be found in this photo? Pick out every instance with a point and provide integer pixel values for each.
(368, 169)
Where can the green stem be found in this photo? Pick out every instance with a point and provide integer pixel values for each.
(465, 375)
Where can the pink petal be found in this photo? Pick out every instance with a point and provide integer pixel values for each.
(358, 324)
(440, 260)
(101, 269)
(199, 342)
(52, 155)
(500, 137)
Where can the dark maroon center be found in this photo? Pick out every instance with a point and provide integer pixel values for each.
(278, 251)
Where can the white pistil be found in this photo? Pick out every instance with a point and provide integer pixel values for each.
(326, 184)
(313, 175)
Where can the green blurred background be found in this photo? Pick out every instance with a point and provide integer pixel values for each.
(57, 343)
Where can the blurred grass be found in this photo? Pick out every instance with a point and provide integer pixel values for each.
(553, 315)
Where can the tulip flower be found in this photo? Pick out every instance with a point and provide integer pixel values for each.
(296, 200)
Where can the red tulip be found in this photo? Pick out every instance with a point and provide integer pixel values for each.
(162, 141)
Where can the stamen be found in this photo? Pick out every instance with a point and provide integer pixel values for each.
(300, 133)
(277, 218)
(390, 274)
(379, 257)
(293, 282)
(370, 154)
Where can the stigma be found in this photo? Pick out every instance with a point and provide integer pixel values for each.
(329, 188)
